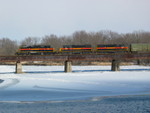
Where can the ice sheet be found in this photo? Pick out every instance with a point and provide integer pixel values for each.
(51, 83)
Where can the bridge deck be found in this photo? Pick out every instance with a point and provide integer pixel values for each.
(77, 57)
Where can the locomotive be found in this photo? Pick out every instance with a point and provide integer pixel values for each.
(82, 49)
(112, 48)
(76, 49)
(36, 50)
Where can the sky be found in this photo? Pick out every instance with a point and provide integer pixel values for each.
(20, 19)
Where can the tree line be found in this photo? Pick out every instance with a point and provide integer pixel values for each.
(9, 47)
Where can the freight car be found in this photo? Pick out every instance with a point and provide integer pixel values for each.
(140, 48)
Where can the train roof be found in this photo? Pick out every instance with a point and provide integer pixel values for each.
(110, 45)
(36, 46)
(75, 46)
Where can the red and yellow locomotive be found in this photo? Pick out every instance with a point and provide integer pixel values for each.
(112, 48)
(36, 50)
(70, 49)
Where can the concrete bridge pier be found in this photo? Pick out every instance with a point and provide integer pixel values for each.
(18, 67)
(138, 62)
(68, 66)
(115, 65)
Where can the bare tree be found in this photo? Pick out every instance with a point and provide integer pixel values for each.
(30, 41)
(80, 38)
(8, 47)
(66, 40)
(51, 40)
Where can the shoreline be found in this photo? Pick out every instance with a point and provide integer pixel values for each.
(89, 99)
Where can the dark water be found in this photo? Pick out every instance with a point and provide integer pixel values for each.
(41, 95)
(1, 81)
(113, 104)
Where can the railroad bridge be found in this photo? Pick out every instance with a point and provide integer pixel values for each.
(115, 58)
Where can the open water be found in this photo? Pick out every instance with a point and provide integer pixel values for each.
(110, 104)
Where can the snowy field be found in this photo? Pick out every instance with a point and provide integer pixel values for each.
(86, 86)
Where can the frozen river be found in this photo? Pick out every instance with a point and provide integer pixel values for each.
(49, 85)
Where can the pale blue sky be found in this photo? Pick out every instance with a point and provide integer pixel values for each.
(37, 18)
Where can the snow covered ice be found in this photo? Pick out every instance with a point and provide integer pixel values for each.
(51, 83)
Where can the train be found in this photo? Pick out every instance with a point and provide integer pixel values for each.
(82, 49)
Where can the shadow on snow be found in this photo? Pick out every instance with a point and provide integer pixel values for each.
(77, 71)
